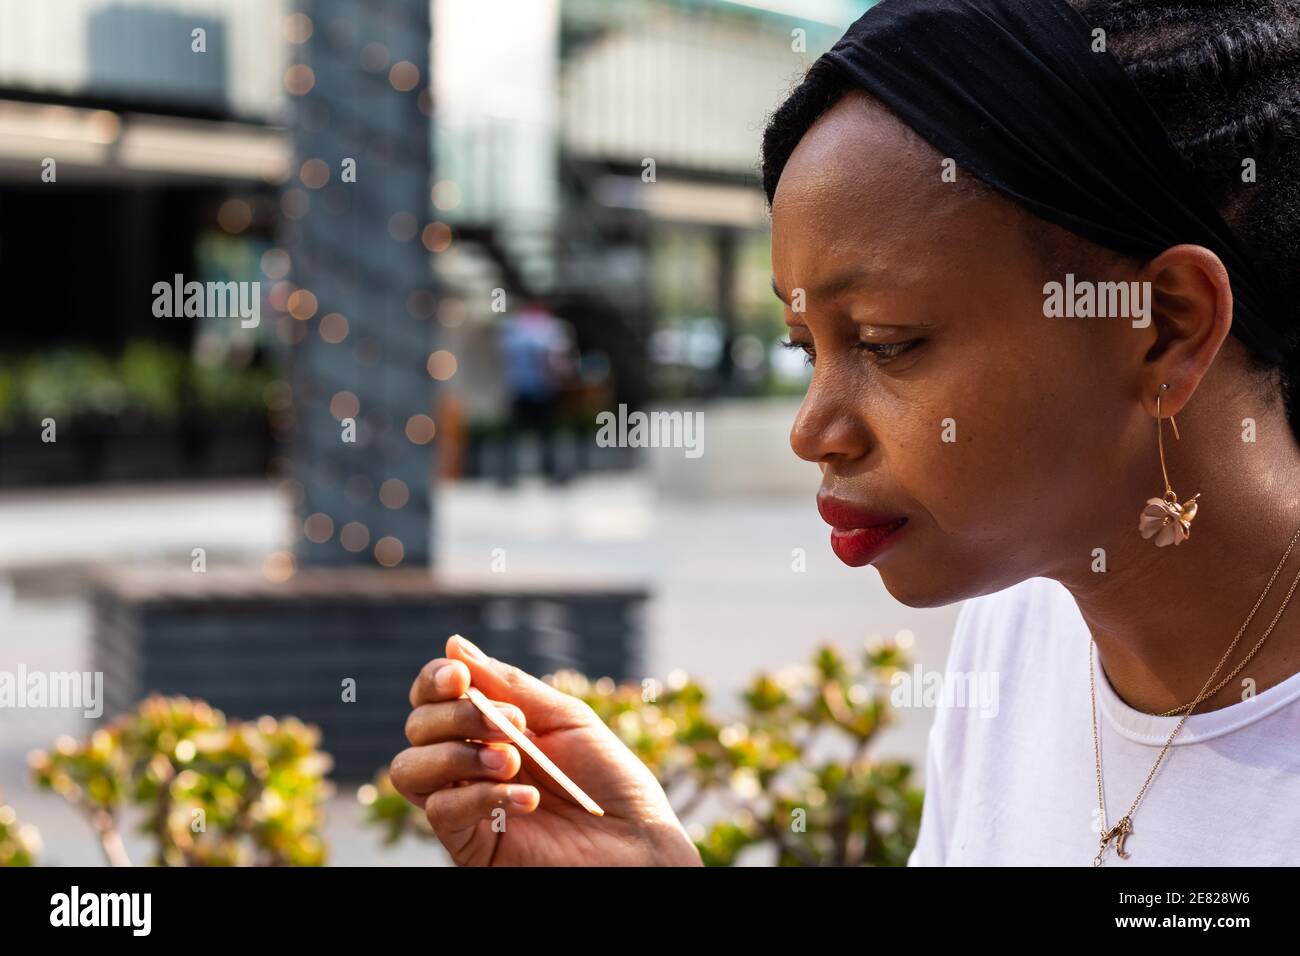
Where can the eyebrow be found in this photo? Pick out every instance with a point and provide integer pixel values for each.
(832, 286)
(844, 281)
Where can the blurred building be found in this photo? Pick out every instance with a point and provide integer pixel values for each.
(149, 136)
(599, 157)
(603, 157)
(139, 141)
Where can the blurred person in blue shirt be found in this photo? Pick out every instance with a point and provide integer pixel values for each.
(537, 353)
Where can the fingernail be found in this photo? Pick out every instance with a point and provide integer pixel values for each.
(492, 758)
(442, 679)
(520, 796)
(472, 650)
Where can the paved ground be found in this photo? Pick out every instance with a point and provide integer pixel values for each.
(726, 600)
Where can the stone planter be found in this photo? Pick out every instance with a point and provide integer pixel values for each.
(251, 647)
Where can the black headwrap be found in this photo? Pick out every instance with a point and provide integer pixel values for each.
(1014, 92)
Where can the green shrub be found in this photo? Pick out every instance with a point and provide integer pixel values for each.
(214, 792)
(151, 377)
(66, 383)
(857, 811)
(156, 382)
(219, 390)
(19, 842)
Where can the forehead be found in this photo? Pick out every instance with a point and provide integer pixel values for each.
(860, 183)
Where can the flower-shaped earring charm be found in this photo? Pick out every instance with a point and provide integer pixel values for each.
(1164, 518)
(1167, 520)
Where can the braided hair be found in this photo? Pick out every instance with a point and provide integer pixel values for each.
(1224, 78)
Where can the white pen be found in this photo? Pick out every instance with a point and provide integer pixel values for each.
(492, 713)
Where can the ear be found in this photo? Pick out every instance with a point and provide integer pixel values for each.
(1191, 315)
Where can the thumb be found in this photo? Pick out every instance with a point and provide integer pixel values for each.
(544, 707)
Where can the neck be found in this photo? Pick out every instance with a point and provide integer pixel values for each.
(1163, 618)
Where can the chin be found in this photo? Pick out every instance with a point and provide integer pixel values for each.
(919, 594)
(935, 583)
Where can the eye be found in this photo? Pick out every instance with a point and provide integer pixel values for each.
(887, 351)
(810, 353)
(881, 352)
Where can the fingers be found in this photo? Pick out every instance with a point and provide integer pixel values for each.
(419, 771)
(457, 720)
(455, 812)
(440, 679)
(544, 704)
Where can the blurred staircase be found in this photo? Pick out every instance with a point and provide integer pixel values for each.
(587, 263)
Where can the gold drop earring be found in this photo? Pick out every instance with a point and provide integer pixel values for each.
(1164, 518)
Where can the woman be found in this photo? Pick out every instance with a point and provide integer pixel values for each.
(1015, 238)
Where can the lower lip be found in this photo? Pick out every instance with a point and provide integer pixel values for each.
(859, 546)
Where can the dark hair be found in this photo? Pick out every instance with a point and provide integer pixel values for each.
(1224, 78)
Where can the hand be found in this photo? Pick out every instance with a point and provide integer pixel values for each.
(443, 772)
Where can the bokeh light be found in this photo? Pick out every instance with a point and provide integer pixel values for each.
(318, 527)
(299, 79)
(446, 194)
(452, 312)
(295, 203)
(436, 237)
(389, 552)
(234, 216)
(344, 405)
(402, 226)
(302, 304)
(279, 566)
(275, 263)
(421, 303)
(297, 28)
(394, 494)
(314, 173)
(334, 328)
(404, 76)
(420, 429)
(442, 365)
(354, 536)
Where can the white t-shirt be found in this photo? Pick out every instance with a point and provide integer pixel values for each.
(1019, 787)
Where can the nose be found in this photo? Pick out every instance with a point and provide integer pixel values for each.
(826, 429)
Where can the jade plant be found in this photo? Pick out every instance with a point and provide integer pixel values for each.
(845, 809)
(208, 791)
(20, 843)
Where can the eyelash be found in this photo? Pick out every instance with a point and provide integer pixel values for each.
(885, 351)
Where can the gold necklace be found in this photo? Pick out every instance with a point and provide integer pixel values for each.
(1125, 826)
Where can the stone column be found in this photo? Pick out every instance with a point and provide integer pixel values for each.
(360, 297)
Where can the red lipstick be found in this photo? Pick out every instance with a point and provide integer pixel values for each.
(858, 536)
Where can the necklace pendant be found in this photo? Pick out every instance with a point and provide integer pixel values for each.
(1119, 832)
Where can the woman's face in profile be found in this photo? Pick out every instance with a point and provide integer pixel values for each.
(940, 392)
